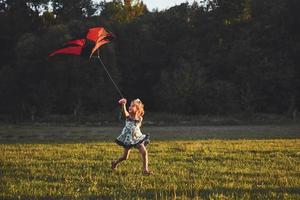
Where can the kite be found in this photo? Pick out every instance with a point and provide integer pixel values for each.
(72, 47)
(98, 36)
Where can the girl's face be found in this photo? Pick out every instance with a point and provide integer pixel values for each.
(132, 108)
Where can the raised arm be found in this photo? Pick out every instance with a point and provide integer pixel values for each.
(122, 103)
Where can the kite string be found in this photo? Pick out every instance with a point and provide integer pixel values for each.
(116, 86)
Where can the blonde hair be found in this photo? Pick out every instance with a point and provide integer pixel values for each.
(139, 106)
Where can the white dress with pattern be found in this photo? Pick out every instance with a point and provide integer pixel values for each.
(131, 135)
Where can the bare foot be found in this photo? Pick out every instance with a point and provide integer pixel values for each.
(113, 165)
(148, 172)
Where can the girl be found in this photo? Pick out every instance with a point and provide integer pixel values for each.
(131, 135)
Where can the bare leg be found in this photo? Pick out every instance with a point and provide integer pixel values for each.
(122, 158)
(144, 154)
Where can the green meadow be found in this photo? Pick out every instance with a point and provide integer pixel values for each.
(189, 162)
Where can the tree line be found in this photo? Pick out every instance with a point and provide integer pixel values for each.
(214, 57)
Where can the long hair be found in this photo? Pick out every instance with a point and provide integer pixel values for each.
(140, 107)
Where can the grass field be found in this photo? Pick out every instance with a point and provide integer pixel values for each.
(211, 162)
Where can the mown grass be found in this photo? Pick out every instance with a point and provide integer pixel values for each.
(184, 168)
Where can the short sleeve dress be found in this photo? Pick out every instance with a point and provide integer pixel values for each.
(131, 135)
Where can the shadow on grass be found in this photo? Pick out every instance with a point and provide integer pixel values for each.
(45, 134)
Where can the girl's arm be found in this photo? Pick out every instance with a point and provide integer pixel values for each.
(123, 102)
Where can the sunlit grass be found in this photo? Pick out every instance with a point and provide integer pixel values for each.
(198, 169)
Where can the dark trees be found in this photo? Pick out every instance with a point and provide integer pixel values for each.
(220, 57)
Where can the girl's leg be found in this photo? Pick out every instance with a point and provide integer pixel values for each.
(122, 158)
(144, 154)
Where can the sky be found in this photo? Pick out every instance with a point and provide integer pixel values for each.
(164, 4)
(160, 4)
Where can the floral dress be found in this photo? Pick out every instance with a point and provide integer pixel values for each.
(131, 135)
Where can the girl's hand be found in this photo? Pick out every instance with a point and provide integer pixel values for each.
(122, 101)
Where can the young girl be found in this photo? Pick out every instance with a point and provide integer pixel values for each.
(131, 135)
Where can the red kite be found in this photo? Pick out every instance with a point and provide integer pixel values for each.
(72, 47)
(99, 36)
(79, 42)
(95, 33)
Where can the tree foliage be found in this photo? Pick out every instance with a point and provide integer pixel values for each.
(218, 57)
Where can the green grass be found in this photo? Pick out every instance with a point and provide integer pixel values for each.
(48, 163)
